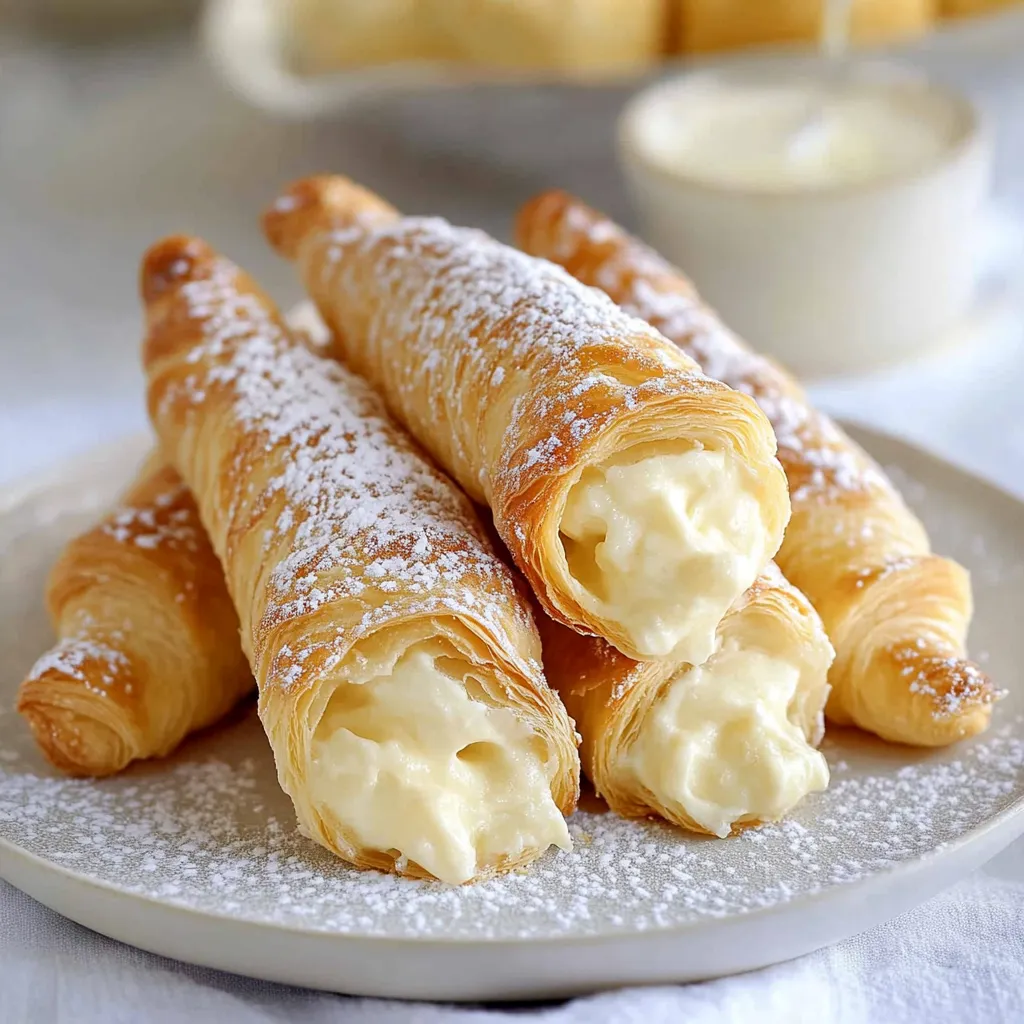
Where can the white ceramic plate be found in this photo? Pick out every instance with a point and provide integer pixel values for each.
(245, 40)
(197, 858)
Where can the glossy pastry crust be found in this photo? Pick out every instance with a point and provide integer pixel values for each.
(342, 546)
(609, 696)
(515, 377)
(896, 613)
(148, 649)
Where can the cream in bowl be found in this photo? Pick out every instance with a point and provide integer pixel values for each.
(828, 214)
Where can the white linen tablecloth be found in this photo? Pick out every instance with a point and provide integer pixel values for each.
(103, 151)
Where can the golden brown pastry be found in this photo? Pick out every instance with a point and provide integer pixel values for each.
(639, 498)
(397, 661)
(148, 648)
(711, 748)
(705, 25)
(896, 613)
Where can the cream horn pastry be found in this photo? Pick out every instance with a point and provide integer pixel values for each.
(148, 646)
(396, 657)
(639, 498)
(896, 613)
(712, 748)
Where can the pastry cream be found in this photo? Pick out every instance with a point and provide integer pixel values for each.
(724, 742)
(410, 762)
(664, 544)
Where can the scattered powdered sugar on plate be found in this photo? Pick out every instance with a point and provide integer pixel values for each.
(212, 833)
(211, 830)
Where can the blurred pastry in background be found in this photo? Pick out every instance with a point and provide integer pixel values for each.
(587, 37)
(325, 35)
(969, 8)
(568, 35)
(704, 25)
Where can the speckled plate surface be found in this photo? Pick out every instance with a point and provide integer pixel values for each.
(197, 857)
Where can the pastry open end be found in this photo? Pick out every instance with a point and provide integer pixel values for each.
(547, 403)
(396, 656)
(711, 748)
(664, 541)
(148, 648)
(896, 613)
(413, 755)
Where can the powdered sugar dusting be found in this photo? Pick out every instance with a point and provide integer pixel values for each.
(86, 659)
(514, 328)
(164, 521)
(212, 833)
(963, 686)
(362, 513)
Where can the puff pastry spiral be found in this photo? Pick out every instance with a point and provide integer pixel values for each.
(397, 662)
(148, 648)
(896, 613)
(639, 497)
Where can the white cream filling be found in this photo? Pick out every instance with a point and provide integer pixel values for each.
(410, 762)
(720, 742)
(664, 545)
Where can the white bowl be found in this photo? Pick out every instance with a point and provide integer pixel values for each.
(827, 278)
